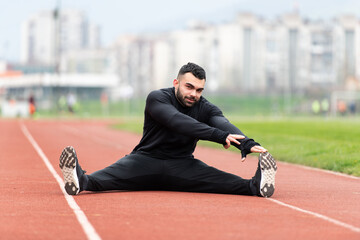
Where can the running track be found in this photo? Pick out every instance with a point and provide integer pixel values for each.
(307, 204)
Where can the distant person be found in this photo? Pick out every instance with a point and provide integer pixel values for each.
(175, 119)
(32, 106)
(104, 103)
(71, 101)
(325, 106)
(62, 103)
(342, 108)
(315, 106)
(352, 108)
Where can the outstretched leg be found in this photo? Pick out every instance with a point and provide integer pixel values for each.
(193, 175)
(132, 172)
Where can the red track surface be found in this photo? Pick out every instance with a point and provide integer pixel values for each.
(320, 205)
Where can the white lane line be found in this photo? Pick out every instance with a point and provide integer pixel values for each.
(80, 215)
(323, 217)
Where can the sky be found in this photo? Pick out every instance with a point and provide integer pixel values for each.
(116, 17)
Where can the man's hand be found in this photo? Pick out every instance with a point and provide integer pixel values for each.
(256, 149)
(233, 138)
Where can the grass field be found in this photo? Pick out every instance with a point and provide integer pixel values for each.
(328, 144)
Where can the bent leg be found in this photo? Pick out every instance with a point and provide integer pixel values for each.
(132, 172)
(194, 175)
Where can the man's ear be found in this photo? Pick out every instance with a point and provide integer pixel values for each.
(175, 82)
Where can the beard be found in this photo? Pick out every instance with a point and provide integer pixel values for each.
(185, 100)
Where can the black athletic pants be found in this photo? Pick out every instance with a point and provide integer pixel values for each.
(141, 172)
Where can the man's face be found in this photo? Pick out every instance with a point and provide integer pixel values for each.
(188, 89)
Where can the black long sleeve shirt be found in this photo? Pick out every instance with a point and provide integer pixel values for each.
(171, 131)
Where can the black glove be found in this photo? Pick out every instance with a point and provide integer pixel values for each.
(245, 147)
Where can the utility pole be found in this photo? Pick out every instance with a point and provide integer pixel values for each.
(57, 37)
(57, 53)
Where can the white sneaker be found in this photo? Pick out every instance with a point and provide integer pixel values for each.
(268, 168)
(71, 170)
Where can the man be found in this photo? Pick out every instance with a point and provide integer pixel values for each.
(175, 119)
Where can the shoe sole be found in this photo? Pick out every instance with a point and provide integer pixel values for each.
(268, 171)
(68, 167)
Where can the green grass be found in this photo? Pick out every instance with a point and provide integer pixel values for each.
(251, 105)
(327, 144)
(94, 109)
(130, 124)
(332, 144)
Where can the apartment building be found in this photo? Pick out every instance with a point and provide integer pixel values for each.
(47, 35)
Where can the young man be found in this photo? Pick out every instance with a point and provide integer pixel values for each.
(175, 119)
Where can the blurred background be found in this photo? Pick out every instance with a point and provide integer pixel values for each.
(101, 58)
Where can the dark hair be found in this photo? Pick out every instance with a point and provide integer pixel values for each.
(193, 68)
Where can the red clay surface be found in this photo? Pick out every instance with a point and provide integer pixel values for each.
(32, 205)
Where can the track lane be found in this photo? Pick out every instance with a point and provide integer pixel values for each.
(29, 194)
(241, 219)
(88, 229)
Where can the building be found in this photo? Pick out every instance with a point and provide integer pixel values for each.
(250, 54)
(38, 39)
(47, 35)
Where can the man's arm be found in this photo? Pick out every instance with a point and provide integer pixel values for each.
(247, 145)
(159, 107)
